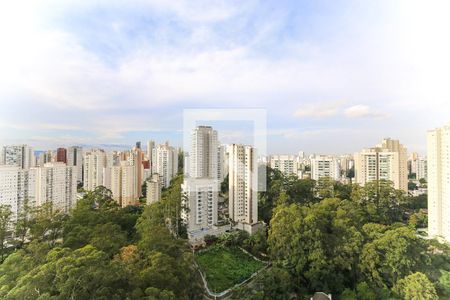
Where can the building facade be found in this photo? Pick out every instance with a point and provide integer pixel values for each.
(75, 159)
(165, 163)
(18, 155)
(154, 189)
(419, 167)
(386, 161)
(201, 187)
(243, 185)
(286, 164)
(325, 166)
(61, 155)
(94, 169)
(17, 188)
(438, 148)
(204, 153)
(56, 183)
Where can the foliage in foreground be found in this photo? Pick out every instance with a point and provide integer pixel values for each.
(102, 251)
(353, 242)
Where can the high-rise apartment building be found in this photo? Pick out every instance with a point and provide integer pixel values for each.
(130, 194)
(286, 164)
(115, 183)
(122, 182)
(418, 167)
(204, 153)
(18, 155)
(94, 169)
(243, 185)
(165, 163)
(46, 157)
(56, 183)
(150, 147)
(61, 155)
(201, 186)
(346, 163)
(222, 163)
(135, 159)
(202, 196)
(386, 161)
(17, 186)
(53, 182)
(438, 148)
(75, 159)
(325, 166)
(154, 189)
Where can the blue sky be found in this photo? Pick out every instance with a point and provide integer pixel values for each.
(334, 76)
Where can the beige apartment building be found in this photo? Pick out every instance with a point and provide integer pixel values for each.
(386, 161)
(154, 189)
(242, 172)
(438, 148)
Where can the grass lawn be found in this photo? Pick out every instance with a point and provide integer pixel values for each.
(224, 267)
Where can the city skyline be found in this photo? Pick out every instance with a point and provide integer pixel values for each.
(96, 73)
(224, 149)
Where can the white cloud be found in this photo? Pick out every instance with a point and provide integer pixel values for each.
(363, 111)
(319, 110)
(53, 68)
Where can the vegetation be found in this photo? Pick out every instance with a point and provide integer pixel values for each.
(351, 241)
(225, 267)
(99, 251)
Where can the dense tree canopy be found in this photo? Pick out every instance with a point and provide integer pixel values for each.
(351, 241)
(99, 251)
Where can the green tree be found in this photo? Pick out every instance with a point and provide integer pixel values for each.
(256, 243)
(267, 199)
(365, 292)
(162, 261)
(444, 283)
(319, 244)
(300, 190)
(393, 255)
(380, 200)
(5, 229)
(416, 286)
(325, 188)
(85, 273)
(19, 263)
(22, 225)
(274, 283)
(144, 190)
(97, 208)
(108, 238)
(180, 162)
(46, 224)
(412, 186)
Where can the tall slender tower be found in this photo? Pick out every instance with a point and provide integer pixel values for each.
(165, 163)
(243, 197)
(150, 147)
(75, 159)
(201, 186)
(94, 169)
(438, 146)
(204, 153)
(61, 155)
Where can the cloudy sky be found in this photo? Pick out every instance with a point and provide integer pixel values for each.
(334, 76)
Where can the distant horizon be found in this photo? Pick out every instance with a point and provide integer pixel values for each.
(123, 147)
